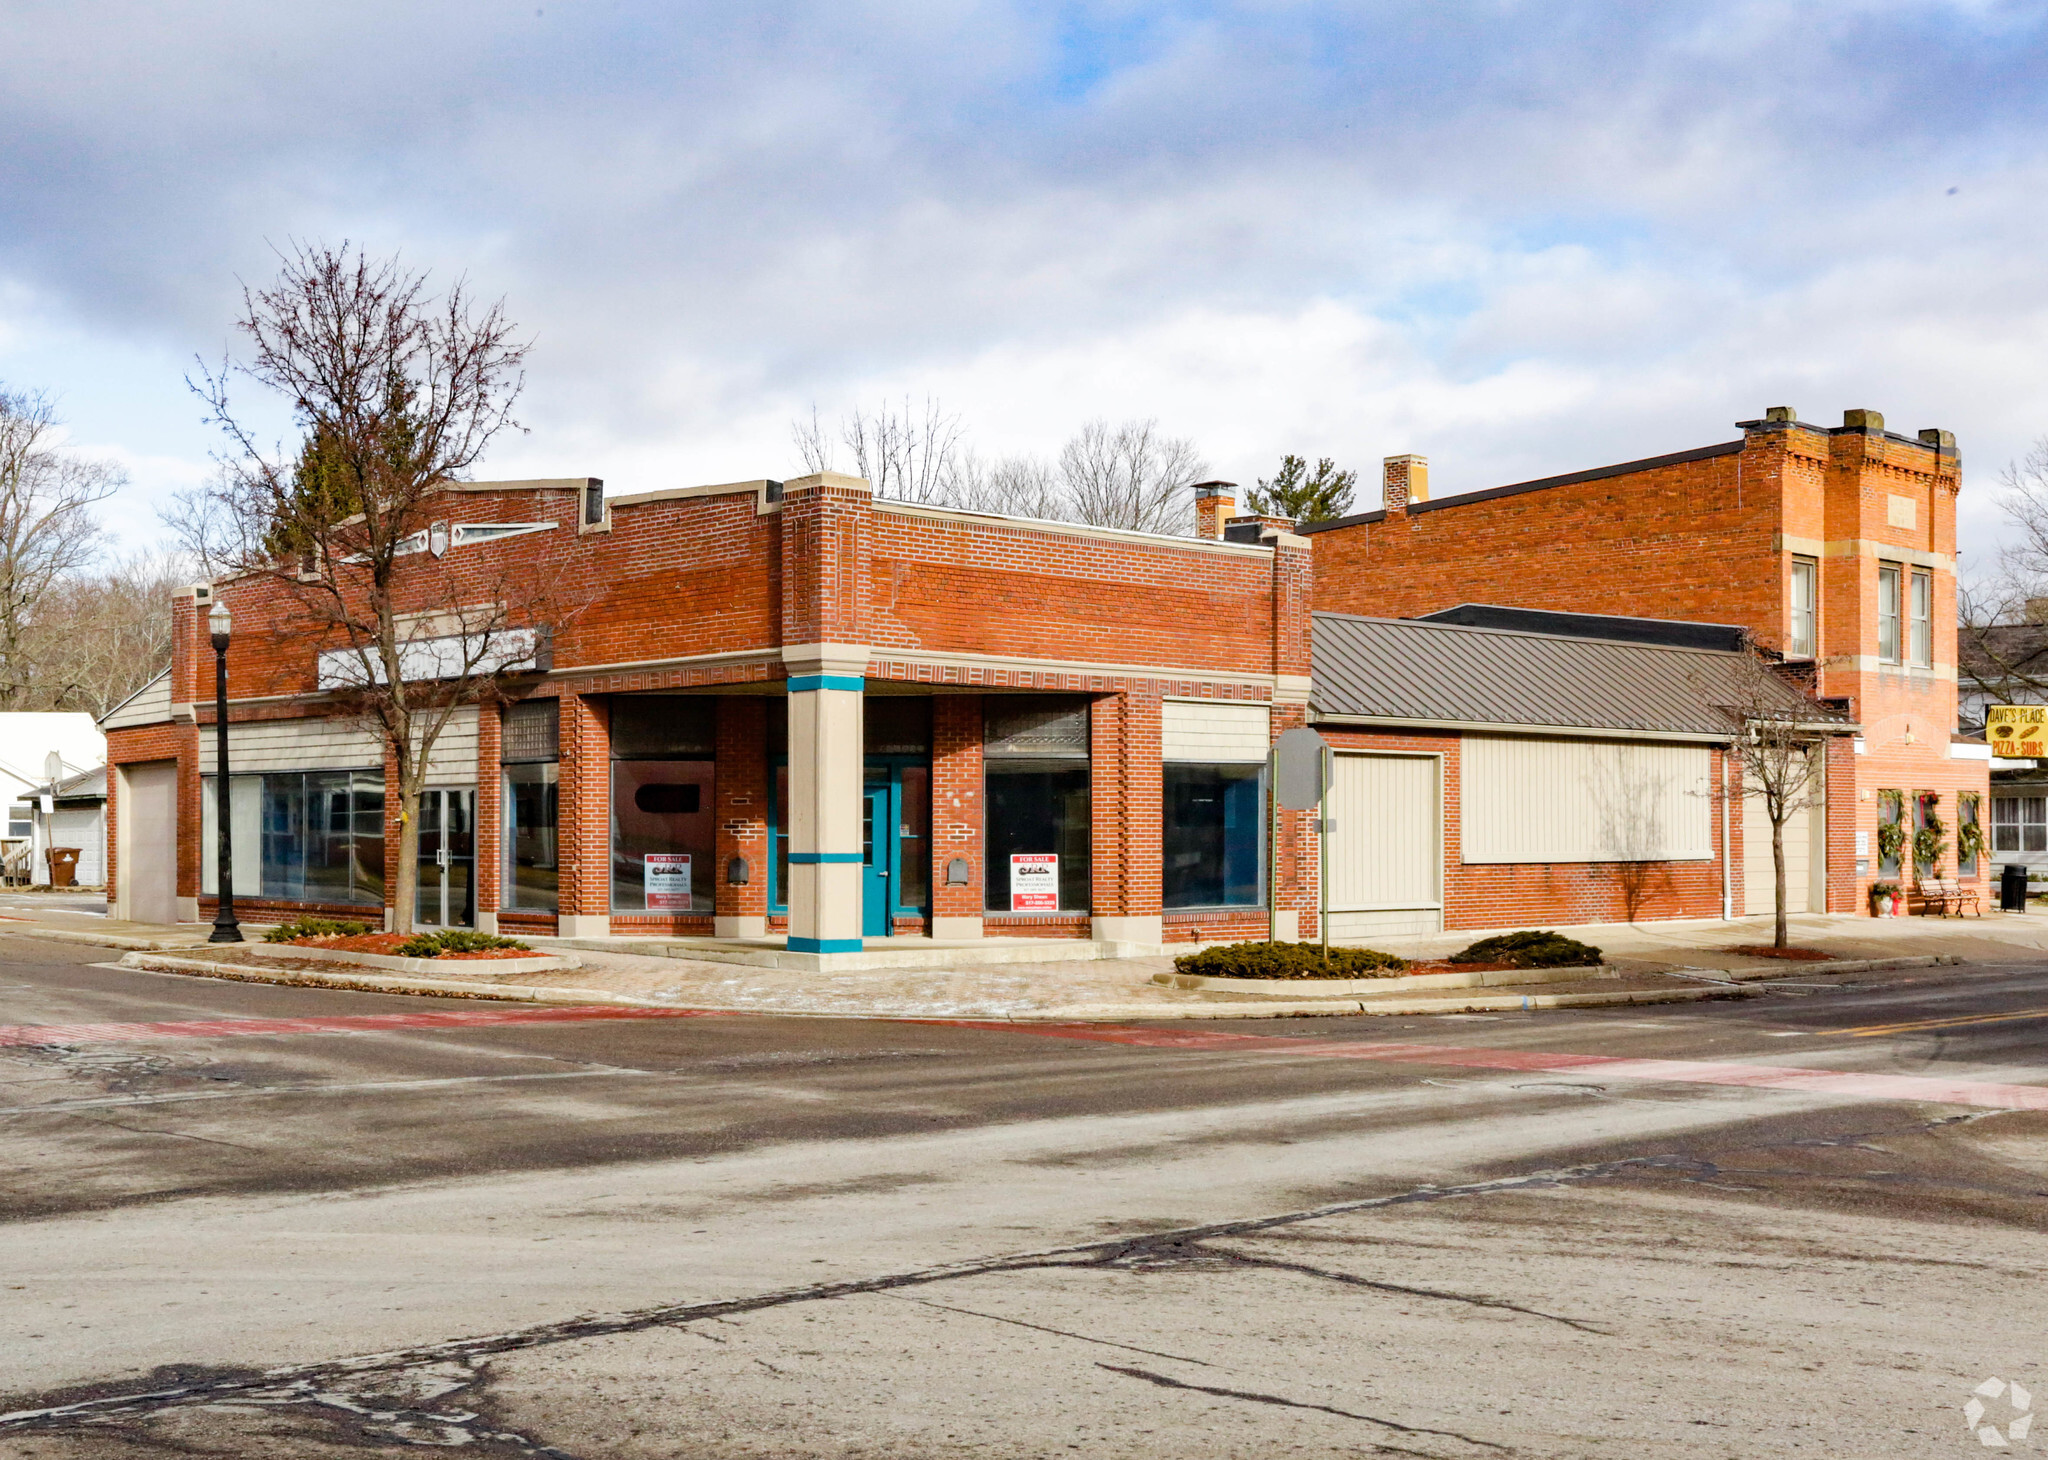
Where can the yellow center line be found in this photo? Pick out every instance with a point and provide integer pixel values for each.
(1953, 1021)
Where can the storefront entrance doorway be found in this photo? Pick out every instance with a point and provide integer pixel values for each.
(447, 896)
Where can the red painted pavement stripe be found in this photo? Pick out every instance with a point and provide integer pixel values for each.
(335, 1024)
(1690, 1072)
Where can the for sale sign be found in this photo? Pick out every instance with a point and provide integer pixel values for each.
(667, 880)
(1034, 882)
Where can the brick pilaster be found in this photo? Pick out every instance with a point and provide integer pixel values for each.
(742, 795)
(957, 815)
(490, 812)
(585, 790)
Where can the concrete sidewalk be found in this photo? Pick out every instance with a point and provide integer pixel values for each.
(1649, 963)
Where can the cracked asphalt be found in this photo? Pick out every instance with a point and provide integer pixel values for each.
(741, 1236)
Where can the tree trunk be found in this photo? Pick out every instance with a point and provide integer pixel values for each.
(405, 894)
(1778, 872)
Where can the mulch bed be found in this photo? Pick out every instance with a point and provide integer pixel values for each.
(387, 944)
(1796, 955)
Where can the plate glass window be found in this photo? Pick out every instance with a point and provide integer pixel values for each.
(1922, 623)
(529, 751)
(300, 837)
(1888, 613)
(662, 808)
(1805, 599)
(1035, 765)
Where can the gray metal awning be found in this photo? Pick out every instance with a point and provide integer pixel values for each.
(1410, 672)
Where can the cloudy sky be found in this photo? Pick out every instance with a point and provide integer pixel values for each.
(1520, 238)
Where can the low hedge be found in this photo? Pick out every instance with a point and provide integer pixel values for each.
(455, 940)
(314, 928)
(1288, 960)
(1538, 948)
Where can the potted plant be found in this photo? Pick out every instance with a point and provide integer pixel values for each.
(1884, 899)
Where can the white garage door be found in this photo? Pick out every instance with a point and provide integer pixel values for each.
(1386, 850)
(1805, 864)
(149, 842)
(84, 830)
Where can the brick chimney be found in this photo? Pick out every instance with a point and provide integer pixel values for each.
(1215, 504)
(1406, 481)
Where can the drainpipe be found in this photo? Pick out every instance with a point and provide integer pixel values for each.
(1727, 841)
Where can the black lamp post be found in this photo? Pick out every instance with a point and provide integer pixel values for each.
(225, 928)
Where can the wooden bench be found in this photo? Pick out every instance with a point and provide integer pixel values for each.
(1945, 895)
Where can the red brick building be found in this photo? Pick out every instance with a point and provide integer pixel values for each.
(789, 714)
(785, 708)
(1833, 545)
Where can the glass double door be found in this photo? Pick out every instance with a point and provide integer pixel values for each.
(447, 895)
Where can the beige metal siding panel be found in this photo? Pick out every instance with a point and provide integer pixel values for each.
(1759, 876)
(1385, 848)
(151, 705)
(295, 745)
(1537, 801)
(1208, 732)
(453, 762)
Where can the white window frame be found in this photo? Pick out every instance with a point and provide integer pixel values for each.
(1920, 623)
(1890, 613)
(1805, 597)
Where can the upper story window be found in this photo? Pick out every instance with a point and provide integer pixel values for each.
(1888, 605)
(1805, 613)
(1921, 625)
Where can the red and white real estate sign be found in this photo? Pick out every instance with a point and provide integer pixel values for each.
(667, 882)
(1034, 882)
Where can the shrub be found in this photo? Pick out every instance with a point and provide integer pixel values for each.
(1538, 948)
(314, 928)
(1288, 960)
(454, 940)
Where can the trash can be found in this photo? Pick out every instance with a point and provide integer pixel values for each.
(2012, 888)
(63, 866)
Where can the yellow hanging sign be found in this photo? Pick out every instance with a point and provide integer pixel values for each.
(2017, 731)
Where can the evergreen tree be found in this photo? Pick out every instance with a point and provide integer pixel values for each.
(1305, 496)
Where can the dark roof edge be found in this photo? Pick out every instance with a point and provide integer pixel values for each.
(1443, 628)
(1598, 473)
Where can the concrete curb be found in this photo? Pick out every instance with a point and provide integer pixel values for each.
(376, 983)
(1337, 988)
(379, 983)
(542, 963)
(98, 940)
(1790, 968)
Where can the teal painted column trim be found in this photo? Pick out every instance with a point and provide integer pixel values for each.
(802, 683)
(824, 945)
(812, 859)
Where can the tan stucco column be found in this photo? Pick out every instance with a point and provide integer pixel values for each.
(827, 748)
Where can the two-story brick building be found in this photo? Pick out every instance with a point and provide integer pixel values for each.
(1834, 545)
(793, 713)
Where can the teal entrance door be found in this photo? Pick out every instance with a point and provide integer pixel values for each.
(877, 843)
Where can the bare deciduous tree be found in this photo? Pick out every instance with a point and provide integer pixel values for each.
(905, 455)
(1779, 740)
(397, 394)
(1131, 476)
(1127, 476)
(100, 636)
(2003, 609)
(48, 530)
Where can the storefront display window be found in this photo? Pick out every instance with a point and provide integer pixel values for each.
(662, 808)
(1036, 781)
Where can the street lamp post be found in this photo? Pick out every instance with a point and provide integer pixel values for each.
(225, 928)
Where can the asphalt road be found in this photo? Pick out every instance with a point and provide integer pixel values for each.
(285, 1222)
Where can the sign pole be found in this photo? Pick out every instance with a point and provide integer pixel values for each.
(1273, 849)
(1323, 856)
